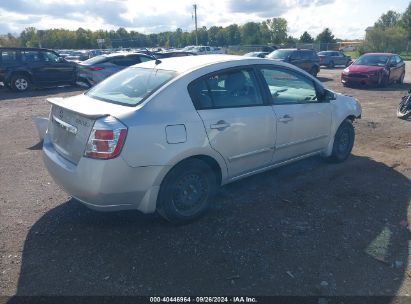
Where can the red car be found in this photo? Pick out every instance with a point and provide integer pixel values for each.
(375, 68)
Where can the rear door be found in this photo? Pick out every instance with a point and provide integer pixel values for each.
(239, 125)
(33, 61)
(303, 122)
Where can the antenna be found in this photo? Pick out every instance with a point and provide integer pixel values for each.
(195, 20)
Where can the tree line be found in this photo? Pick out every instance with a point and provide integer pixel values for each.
(272, 31)
(390, 33)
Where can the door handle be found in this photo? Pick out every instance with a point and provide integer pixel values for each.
(285, 118)
(220, 125)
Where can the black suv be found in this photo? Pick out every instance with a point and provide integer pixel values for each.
(21, 68)
(307, 60)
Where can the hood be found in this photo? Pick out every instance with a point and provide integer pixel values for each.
(364, 68)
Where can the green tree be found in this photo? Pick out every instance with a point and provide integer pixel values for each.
(250, 33)
(232, 34)
(278, 29)
(306, 38)
(326, 36)
(392, 39)
(389, 19)
(405, 21)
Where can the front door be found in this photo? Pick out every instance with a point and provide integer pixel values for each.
(239, 125)
(303, 121)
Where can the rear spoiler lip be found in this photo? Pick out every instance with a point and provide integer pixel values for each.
(58, 101)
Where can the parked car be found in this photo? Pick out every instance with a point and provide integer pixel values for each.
(163, 136)
(96, 69)
(306, 60)
(257, 54)
(22, 68)
(334, 58)
(375, 68)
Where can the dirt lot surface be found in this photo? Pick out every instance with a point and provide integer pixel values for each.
(311, 228)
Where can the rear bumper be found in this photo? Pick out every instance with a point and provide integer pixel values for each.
(105, 185)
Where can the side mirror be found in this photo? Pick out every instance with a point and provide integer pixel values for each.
(328, 96)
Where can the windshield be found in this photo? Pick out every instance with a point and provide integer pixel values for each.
(279, 54)
(372, 60)
(131, 86)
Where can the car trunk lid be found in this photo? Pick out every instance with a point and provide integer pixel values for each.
(72, 120)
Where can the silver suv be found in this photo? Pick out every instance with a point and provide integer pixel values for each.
(163, 135)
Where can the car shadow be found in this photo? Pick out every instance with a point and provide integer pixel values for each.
(6, 94)
(324, 79)
(311, 228)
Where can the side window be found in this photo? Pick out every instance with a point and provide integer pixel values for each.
(295, 55)
(8, 56)
(31, 56)
(287, 87)
(50, 57)
(228, 89)
(306, 55)
(398, 59)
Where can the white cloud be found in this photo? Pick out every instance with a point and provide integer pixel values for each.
(345, 18)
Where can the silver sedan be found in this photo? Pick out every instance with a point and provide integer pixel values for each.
(163, 135)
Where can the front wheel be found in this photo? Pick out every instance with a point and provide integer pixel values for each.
(401, 79)
(187, 191)
(343, 142)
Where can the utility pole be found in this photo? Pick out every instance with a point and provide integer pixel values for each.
(195, 20)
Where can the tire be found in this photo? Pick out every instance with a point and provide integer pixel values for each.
(343, 142)
(314, 71)
(331, 65)
(401, 79)
(186, 192)
(20, 83)
(384, 81)
(404, 108)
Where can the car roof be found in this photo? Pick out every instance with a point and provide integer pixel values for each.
(189, 63)
(122, 54)
(379, 54)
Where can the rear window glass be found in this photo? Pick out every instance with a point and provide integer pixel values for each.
(131, 86)
(95, 60)
(8, 56)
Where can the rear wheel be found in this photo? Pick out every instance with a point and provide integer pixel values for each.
(20, 83)
(343, 142)
(404, 108)
(187, 191)
(401, 79)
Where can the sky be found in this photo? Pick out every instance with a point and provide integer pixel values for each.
(347, 19)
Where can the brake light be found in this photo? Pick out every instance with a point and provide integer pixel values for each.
(95, 69)
(106, 139)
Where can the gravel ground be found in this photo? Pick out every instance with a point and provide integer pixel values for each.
(311, 228)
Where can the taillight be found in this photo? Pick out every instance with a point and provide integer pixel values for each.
(95, 69)
(106, 139)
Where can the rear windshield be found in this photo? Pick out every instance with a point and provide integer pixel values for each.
(280, 54)
(131, 86)
(94, 60)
